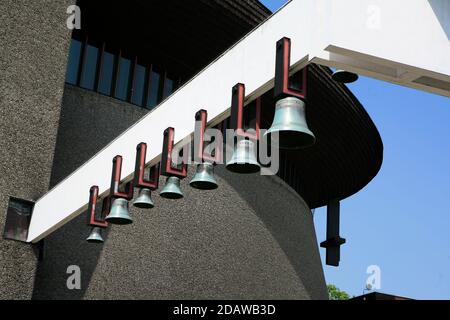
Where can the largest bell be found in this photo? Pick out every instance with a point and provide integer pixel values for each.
(244, 158)
(119, 213)
(95, 236)
(144, 199)
(172, 189)
(204, 177)
(290, 123)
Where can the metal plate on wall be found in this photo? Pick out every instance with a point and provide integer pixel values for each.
(18, 219)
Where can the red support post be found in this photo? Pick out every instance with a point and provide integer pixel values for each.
(92, 219)
(237, 113)
(166, 159)
(282, 88)
(201, 119)
(139, 172)
(115, 181)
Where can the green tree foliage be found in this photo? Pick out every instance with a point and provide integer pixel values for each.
(336, 294)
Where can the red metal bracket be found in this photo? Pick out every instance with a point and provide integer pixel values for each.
(115, 181)
(237, 113)
(166, 160)
(283, 62)
(139, 171)
(201, 119)
(92, 219)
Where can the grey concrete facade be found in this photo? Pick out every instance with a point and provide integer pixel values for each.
(252, 238)
(34, 42)
(89, 121)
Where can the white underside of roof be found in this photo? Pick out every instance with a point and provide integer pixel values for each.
(401, 41)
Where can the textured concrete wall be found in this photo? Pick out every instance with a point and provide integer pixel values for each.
(253, 238)
(89, 121)
(34, 42)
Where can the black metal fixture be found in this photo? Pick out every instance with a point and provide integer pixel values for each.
(334, 241)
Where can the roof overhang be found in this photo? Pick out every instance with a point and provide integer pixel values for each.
(403, 41)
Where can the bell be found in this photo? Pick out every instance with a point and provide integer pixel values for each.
(172, 189)
(144, 200)
(204, 178)
(343, 76)
(95, 236)
(244, 158)
(119, 212)
(290, 123)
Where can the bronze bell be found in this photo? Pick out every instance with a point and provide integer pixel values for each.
(343, 76)
(119, 213)
(204, 177)
(244, 158)
(172, 189)
(290, 123)
(95, 236)
(144, 199)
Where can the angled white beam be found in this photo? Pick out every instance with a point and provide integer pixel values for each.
(402, 41)
(406, 42)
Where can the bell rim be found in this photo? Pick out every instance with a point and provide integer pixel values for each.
(204, 185)
(307, 136)
(171, 195)
(343, 76)
(253, 168)
(95, 240)
(143, 205)
(119, 221)
(285, 128)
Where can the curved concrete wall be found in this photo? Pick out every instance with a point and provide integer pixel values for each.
(253, 238)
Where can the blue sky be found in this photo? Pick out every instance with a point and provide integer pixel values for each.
(401, 220)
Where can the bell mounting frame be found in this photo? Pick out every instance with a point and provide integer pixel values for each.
(92, 219)
(166, 158)
(201, 119)
(139, 173)
(282, 88)
(115, 181)
(237, 113)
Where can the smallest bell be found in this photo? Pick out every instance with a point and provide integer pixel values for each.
(172, 189)
(95, 236)
(119, 213)
(343, 76)
(144, 200)
(204, 178)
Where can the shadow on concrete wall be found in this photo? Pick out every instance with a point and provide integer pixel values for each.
(88, 122)
(293, 228)
(62, 249)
